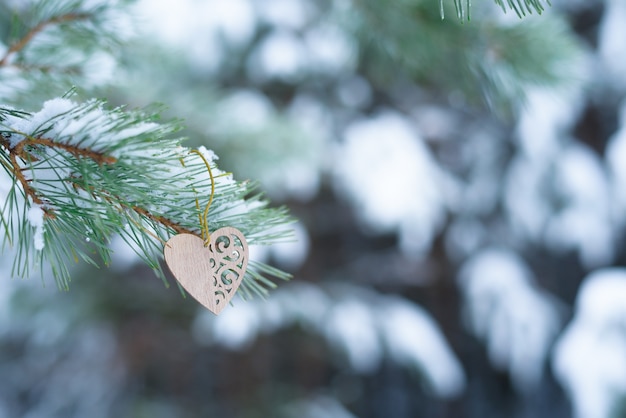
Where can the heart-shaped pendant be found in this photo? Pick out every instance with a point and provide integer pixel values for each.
(210, 274)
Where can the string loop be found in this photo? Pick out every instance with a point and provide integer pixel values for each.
(204, 216)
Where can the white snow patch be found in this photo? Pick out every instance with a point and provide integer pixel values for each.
(99, 69)
(292, 14)
(351, 323)
(391, 176)
(616, 162)
(197, 27)
(584, 223)
(303, 180)
(43, 119)
(318, 406)
(235, 19)
(557, 191)
(414, 339)
(279, 55)
(503, 307)
(168, 22)
(329, 48)
(50, 110)
(208, 154)
(590, 356)
(363, 325)
(543, 122)
(612, 41)
(35, 217)
(249, 109)
(541, 129)
(237, 327)
(291, 254)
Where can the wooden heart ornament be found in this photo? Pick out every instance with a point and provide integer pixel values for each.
(213, 273)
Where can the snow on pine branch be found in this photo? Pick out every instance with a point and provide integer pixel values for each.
(80, 173)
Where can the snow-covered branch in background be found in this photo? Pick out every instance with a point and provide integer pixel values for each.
(363, 326)
(616, 162)
(504, 307)
(389, 173)
(55, 45)
(590, 356)
(316, 407)
(612, 43)
(557, 190)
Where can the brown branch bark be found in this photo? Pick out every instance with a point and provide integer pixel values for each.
(164, 221)
(77, 152)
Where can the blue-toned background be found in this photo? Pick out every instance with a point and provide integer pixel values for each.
(460, 230)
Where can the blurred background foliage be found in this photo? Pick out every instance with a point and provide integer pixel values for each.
(461, 200)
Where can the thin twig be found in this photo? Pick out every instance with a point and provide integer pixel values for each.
(164, 221)
(20, 152)
(17, 171)
(77, 152)
(19, 45)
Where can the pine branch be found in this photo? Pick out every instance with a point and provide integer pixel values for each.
(20, 44)
(81, 173)
(490, 63)
(55, 45)
(521, 7)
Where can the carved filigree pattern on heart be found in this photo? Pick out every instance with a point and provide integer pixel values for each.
(228, 262)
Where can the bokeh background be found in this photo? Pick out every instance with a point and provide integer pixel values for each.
(460, 195)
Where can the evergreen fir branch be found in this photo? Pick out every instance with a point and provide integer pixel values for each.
(490, 63)
(21, 43)
(54, 45)
(521, 7)
(80, 173)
